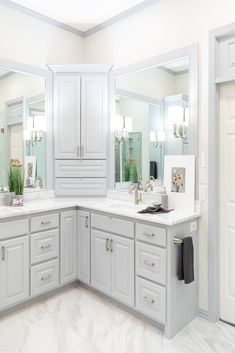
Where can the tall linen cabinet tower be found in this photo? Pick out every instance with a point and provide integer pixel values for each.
(80, 125)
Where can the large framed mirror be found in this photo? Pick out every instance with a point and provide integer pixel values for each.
(153, 113)
(25, 124)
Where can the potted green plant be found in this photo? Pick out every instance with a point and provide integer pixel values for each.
(16, 185)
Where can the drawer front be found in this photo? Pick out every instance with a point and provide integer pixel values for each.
(151, 300)
(44, 222)
(44, 277)
(152, 235)
(151, 262)
(80, 186)
(80, 169)
(9, 229)
(44, 246)
(113, 225)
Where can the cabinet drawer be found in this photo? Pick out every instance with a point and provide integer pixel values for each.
(9, 229)
(44, 277)
(44, 222)
(113, 225)
(150, 234)
(151, 299)
(80, 168)
(44, 246)
(80, 186)
(151, 262)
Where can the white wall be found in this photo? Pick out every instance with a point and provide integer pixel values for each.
(30, 41)
(166, 26)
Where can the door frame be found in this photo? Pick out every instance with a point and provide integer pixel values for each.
(213, 172)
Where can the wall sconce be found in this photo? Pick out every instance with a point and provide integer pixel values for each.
(180, 116)
(36, 125)
(122, 127)
(157, 138)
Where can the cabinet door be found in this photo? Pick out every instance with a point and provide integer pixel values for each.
(122, 269)
(68, 246)
(100, 261)
(14, 271)
(67, 117)
(94, 117)
(83, 247)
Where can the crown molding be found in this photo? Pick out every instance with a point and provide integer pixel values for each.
(129, 12)
(80, 68)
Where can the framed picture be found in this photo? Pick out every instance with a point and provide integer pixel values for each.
(179, 181)
(30, 170)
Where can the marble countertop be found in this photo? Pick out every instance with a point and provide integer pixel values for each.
(112, 206)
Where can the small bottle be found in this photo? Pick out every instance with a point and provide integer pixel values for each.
(164, 198)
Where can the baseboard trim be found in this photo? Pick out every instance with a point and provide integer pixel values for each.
(203, 313)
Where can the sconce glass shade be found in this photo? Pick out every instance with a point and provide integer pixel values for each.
(122, 126)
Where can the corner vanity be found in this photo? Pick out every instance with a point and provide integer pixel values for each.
(105, 245)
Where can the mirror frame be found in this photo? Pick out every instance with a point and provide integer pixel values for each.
(192, 53)
(47, 75)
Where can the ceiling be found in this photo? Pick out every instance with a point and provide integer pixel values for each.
(83, 15)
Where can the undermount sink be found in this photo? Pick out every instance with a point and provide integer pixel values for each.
(127, 206)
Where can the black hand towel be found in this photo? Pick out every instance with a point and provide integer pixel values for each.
(186, 261)
(153, 210)
(153, 169)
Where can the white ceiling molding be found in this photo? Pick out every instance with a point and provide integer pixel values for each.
(129, 12)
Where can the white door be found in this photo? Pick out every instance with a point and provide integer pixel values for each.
(68, 246)
(122, 269)
(14, 271)
(227, 202)
(67, 116)
(94, 117)
(100, 261)
(83, 247)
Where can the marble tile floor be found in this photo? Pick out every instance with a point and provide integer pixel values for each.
(78, 321)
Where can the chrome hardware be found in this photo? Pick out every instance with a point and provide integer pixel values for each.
(86, 222)
(78, 151)
(107, 244)
(138, 196)
(151, 301)
(149, 234)
(45, 222)
(3, 253)
(149, 263)
(177, 240)
(46, 278)
(43, 247)
(111, 245)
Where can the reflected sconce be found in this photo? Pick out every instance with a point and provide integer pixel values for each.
(122, 127)
(157, 138)
(181, 121)
(36, 125)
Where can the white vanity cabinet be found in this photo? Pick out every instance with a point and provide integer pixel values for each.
(112, 258)
(80, 117)
(83, 246)
(14, 271)
(68, 234)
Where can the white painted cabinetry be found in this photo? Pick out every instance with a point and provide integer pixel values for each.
(83, 246)
(68, 233)
(80, 128)
(112, 262)
(14, 271)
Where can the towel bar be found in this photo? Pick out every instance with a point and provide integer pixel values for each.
(177, 240)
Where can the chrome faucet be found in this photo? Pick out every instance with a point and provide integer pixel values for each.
(138, 197)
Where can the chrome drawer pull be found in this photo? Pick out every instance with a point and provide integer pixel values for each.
(151, 301)
(46, 278)
(3, 253)
(86, 222)
(46, 246)
(111, 245)
(45, 222)
(149, 263)
(149, 234)
(107, 244)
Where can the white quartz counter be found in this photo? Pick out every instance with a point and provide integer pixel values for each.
(112, 206)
